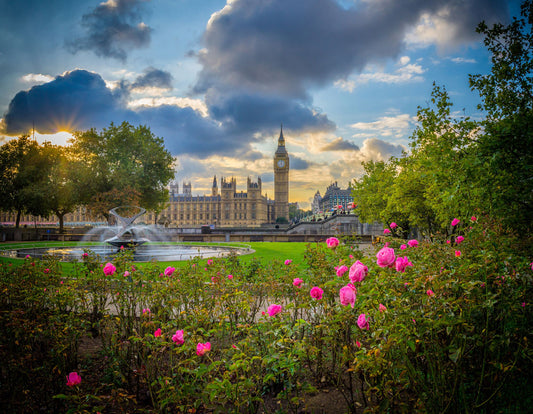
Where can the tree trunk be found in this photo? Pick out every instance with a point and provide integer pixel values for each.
(17, 222)
(61, 217)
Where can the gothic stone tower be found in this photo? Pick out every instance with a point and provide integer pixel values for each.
(281, 180)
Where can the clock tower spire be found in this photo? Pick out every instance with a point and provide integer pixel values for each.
(281, 180)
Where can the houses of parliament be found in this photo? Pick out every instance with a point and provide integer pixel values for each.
(224, 207)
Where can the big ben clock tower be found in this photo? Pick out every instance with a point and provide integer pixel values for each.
(281, 180)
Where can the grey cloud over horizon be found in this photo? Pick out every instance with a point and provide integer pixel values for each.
(79, 100)
(288, 47)
(340, 144)
(111, 28)
(153, 77)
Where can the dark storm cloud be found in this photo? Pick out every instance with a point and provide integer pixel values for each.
(80, 100)
(76, 100)
(185, 131)
(298, 163)
(288, 46)
(245, 112)
(339, 144)
(111, 28)
(153, 78)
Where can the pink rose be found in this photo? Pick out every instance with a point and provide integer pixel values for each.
(455, 222)
(362, 322)
(178, 338)
(430, 293)
(412, 243)
(358, 272)
(459, 239)
(146, 311)
(457, 253)
(403, 247)
(157, 332)
(358, 344)
(386, 231)
(230, 276)
(393, 225)
(169, 270)
(297, 282)
(386, 257)
(316, 292)
(382, 308)
(126, 273)
(288, 262)
(73, 379)
(473, 218)
(109, 269)
(332, 242)
(348, 295)
(209, 262)
(402, 263)
(341, 270)
(273, 310)
(201, 348)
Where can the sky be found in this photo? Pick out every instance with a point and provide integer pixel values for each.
(217, 79)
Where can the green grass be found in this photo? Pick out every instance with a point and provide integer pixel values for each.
(264, 251)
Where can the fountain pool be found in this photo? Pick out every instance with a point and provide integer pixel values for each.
(144, 253)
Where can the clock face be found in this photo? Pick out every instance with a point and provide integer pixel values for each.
(281, 163)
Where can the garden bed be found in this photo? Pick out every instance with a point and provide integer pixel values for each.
(438, 331)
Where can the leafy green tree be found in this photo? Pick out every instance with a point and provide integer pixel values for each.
(371, 192)
(64, 187)
(507, 97)
(121, 159)
(438, 179)
(24, 169)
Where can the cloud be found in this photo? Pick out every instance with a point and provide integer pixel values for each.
(36, 78)
(349, 166)
(286, 47)
(463, 60)
(407, 72)
(112, 28)
(247, 112)
(297, 163)
(453, 22)
(153, 77)
(397, 126)
(340, 144)
(378, 150)
(75, 100)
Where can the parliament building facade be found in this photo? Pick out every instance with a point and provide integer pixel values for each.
(227, 207)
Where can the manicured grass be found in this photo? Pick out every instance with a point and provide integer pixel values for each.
(264, 251)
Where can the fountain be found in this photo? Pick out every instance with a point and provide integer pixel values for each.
(127, 235)
(147, 242)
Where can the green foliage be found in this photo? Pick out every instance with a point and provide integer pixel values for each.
(124, 161)
(24, 170)
(465, 347)
(456, 166)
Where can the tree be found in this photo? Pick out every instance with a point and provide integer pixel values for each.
(124, 165)
(507, 97)
(24, 169)
(64, 191)
(371, 192)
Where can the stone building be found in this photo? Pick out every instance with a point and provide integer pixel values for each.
(335, 196)
(227, 207)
